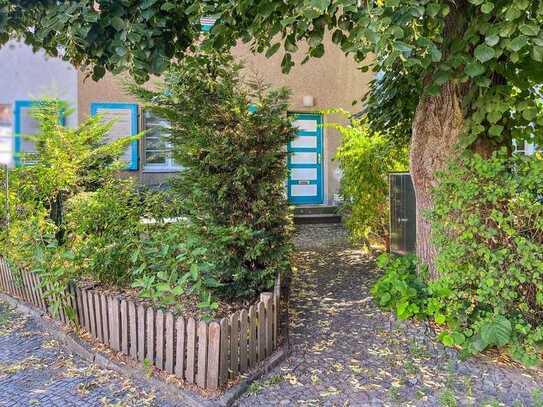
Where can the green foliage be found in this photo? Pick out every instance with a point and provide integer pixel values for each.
(487, 226)
(366, 159)
(104, 231)
(492, 49)
(231, 188)
(67, 162)
(400, 289)
(141, 36)
(390, 105)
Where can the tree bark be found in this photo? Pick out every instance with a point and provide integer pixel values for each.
(437, 126)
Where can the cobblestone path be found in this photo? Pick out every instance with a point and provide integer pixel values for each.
(346, 352)
(35, 371)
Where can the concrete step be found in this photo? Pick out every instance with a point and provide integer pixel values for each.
(315, 210)
(317, 218)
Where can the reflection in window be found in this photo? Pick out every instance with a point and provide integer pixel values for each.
(157, 149)
(6, 134)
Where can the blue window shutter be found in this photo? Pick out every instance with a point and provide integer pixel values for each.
(133, 164)
(17, 126)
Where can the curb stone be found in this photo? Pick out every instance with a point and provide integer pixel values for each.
(175, 394)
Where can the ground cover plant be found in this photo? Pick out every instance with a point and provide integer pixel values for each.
(487, 223)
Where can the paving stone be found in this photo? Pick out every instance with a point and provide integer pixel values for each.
(36, 371)
(347, 352)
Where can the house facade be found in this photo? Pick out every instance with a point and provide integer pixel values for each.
(332, 81)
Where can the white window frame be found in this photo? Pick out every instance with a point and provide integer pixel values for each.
(169, 165)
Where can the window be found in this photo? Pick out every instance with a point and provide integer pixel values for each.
(157, 149)
(6, 124)
(525, 148)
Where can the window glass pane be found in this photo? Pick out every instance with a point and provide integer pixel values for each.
(5, 134)
(155, 157)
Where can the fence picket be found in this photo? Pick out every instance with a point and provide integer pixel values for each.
(234, 344)
(202, 355)
(191, 350)
(159, 325)
(252, 336)
(133, 332)
(180, 348)
(141, 333)
(114, 323)
(267, 298)
(261, 331)
(170, 339)
(243, 340)
(105, 318)
(92, 316)
(124, 327)
(150, 354)
(224, 352)
(85, 309)
(213, 356)
(98, 316)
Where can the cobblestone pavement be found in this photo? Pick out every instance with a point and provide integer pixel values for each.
(346, 352)
(35, 371)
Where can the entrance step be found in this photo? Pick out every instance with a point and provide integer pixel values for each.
(316, 215)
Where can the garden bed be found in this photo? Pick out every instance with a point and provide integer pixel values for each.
(207, 354)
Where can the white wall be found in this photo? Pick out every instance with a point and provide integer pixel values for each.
(25, 75)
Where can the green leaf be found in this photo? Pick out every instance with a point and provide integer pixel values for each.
(497, 332)
(518, 43)
(484, 53)
(537, 54)
(435, 54)
(440, 319)
(487, 7)
(117, 23)
(322, 5)
(529, 29)
(492, 40)
(272, 50)
(474, 69)
(495, 130)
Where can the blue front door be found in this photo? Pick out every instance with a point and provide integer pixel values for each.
(305, 160)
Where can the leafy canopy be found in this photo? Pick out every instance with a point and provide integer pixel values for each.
(141, 36)
(493, 49)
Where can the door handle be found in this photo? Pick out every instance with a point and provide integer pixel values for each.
(318, 158)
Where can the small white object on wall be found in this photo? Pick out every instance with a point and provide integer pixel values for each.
(308, 101)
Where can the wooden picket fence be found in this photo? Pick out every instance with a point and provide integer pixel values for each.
(204, 353)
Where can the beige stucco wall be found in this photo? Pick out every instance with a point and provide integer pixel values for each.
(333, 80)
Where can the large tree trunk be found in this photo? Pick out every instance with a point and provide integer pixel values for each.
(436, 132)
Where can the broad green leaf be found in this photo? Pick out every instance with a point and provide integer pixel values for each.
(497, 332)
(495, 130)
(518, 43)
(492, 40)
(484, 53)
(117, 23)
(474, 69)
(529, 29)
(272, 50)
(487, 7)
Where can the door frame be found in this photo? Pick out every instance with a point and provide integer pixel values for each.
(319, 200)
